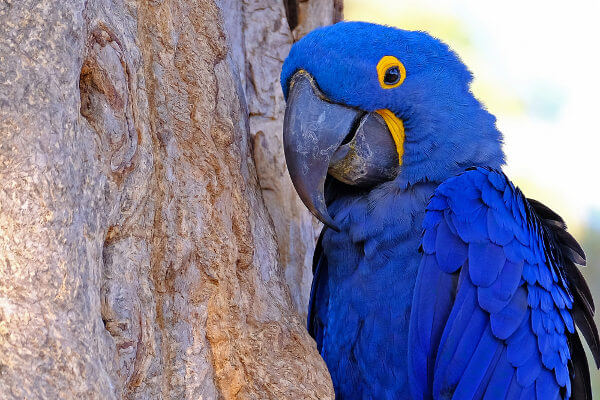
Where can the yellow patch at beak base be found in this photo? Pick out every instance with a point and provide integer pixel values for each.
(396, 127)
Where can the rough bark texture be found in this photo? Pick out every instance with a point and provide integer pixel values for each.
(139, 257)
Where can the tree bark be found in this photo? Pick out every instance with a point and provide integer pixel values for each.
(151, 243)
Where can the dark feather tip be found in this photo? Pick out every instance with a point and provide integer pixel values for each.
(581, 388)
(545, 212)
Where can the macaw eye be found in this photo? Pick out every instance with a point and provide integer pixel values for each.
(391, 72)
(392, 75)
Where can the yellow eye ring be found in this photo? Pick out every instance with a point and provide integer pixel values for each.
(391, 72)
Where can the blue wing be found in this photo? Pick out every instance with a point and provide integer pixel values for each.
(496, 298)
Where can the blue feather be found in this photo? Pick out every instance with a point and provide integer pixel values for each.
(501, 379)
(562, 374)
(522, 345)
(547, 322)
(424, 318)
(546, 387)
(509, 199)
(486, 356)
(497, 180)
(489, 301)
(437, 203)
(545, 278)
(461, 354)
(471, 228)
(451, 252)
(546, 301)
(568, 320)
(432, 219)
(515, 207)
(491, 197)
(478, 180)
(428, 242)
(531, 274)
(450, 222)
(527, 394)
(496, 297)
(464, 327)
(464, 201)
(514, 251)
(499, 234)
(534, 295)
(528, 372)
(506, 322)
(485, 261)
(446, 287)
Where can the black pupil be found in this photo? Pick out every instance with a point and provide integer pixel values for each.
(392, 75)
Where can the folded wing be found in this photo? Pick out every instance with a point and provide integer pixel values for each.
(497, 298)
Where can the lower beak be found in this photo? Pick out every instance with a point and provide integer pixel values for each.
(319, 136)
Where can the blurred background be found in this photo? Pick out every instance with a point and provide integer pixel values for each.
(536, 66)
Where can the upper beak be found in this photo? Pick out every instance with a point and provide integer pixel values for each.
(319, 136)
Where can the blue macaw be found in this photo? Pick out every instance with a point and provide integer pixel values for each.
(434, 277)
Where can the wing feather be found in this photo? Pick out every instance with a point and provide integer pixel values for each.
(497, 297)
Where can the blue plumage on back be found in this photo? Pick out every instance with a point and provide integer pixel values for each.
(438, 283)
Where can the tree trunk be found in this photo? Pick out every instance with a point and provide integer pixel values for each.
(151, 244)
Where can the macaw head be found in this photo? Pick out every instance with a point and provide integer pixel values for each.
(368, 103)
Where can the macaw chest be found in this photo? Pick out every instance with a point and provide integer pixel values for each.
(366, 334)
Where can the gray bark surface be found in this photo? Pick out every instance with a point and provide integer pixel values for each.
(151, 243)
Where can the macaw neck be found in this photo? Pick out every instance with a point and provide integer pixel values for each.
(377, 220)
(447, 134)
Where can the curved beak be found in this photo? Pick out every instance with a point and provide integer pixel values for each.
(321, 137)
(313, 129)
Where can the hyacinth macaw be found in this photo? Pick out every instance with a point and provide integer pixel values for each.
(434, 277)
